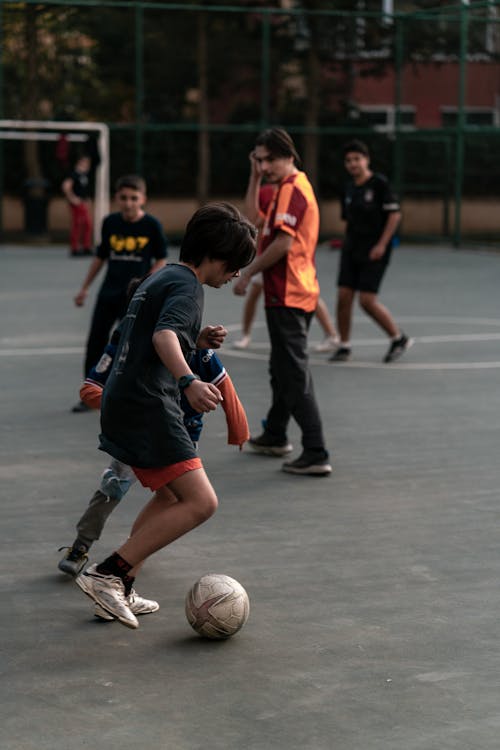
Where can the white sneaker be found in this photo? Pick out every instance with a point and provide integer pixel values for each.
(329, 344)
(242, 343)
(138, 606)
(109, 592)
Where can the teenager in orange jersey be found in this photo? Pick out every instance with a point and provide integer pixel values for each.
(291, 291)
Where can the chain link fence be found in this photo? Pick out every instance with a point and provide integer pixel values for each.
(185, 88)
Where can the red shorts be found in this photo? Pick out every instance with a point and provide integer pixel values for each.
(159, 476)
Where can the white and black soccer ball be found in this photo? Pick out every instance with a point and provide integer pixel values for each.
(217, 606)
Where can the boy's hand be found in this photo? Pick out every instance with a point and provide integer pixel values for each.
(255, 169)
(377, 251)
(203, 396)
(80, 298)
(211, 337)
(240, 285)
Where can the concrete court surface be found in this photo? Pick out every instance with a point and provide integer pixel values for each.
(375, 605)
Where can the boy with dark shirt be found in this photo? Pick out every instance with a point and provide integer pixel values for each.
(118, 477)
(132, 245)
(372, 214)
(141, 418)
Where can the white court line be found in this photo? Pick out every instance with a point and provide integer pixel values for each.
(403, 319)
(260, 350)
(360, 365)
(264, 346)
(41, 351)
(452, 338)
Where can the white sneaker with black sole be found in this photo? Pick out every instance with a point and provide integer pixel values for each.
(109, 592)
(138, 606)
(329, 344)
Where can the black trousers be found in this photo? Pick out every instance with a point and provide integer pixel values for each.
(108, 310)
(291, 381)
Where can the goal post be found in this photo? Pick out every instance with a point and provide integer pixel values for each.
(45, 129)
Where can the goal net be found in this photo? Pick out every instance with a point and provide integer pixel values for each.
(46, 130)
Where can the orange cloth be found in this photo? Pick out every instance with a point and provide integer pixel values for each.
(236, 419)
(237, 425)
(91, 394)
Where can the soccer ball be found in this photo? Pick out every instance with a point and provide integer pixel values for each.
(217, 606)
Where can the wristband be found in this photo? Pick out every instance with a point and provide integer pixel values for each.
(186, 380)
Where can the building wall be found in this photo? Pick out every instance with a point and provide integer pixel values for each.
(420, 217)
(429, 87)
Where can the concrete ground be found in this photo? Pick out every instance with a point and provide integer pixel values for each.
(375, 609)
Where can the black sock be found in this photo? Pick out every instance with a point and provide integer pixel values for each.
(114, 565)
(81, 546)
(129, 582)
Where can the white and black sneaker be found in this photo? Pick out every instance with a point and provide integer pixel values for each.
(138, 605)
(310, 463)
(109, 592)
(329, 344)
(398, 347)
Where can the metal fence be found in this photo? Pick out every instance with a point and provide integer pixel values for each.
(185, 87)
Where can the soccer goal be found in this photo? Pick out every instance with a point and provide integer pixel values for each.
(44, 130)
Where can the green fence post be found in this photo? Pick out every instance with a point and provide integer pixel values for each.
(265, 71)
(398, 68)
(139, 86)
(460, 134)
(1, 117)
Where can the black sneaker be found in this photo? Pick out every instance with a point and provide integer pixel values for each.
(398, 348)
(74, 560)
(313, 463)
(343, 354)
(80, 407)
(268, 445)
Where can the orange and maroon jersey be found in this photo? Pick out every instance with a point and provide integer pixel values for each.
(292, 281)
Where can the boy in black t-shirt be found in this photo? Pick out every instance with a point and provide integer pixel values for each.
(132, 244)
(372, 214)
(141, 417)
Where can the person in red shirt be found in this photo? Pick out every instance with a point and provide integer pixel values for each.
(76, 188)
(291, 292)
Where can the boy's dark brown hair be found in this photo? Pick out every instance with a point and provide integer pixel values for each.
(218, 231)
(279, 143)
(355, 146)
(132, 181)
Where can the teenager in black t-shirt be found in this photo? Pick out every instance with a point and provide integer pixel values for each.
(372, 214)
(141, 417)
(132, 244)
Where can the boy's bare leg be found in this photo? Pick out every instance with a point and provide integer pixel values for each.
(250, 307)
(345, 299)
(324, 318)
(162, 521)
(380, 314)
(168, 498)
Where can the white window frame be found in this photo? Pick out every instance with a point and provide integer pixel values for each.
(390, 111)
(491, 110)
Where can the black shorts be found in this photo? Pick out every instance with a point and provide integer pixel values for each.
(361, 273)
